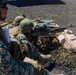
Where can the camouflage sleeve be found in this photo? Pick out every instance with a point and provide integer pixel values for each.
(9, 66)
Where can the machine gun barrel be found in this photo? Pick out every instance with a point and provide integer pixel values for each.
(45, 30)
(59, 29)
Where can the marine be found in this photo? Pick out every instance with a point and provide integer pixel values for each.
(26, 48)
(27, 27)
(8, 64)
(65, 60)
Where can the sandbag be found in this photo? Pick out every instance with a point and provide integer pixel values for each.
(14, 31)
(68, 39)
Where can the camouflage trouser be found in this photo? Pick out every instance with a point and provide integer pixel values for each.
(10, 66)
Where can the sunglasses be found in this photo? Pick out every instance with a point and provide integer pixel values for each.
(4, 5)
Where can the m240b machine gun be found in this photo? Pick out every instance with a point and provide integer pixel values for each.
(46, 39)
(45, 30)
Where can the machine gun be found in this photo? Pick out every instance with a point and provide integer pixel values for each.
(45, 39)
(45, 30)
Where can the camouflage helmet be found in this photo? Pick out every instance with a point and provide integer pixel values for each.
(18, 19)
(26, 24)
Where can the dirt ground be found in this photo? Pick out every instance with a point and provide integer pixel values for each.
(63, 12)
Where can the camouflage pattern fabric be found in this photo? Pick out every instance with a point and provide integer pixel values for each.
(21, 37)
(47, 44)
(65, 60)
(15, 49)
(28, 49)
(10, 66)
